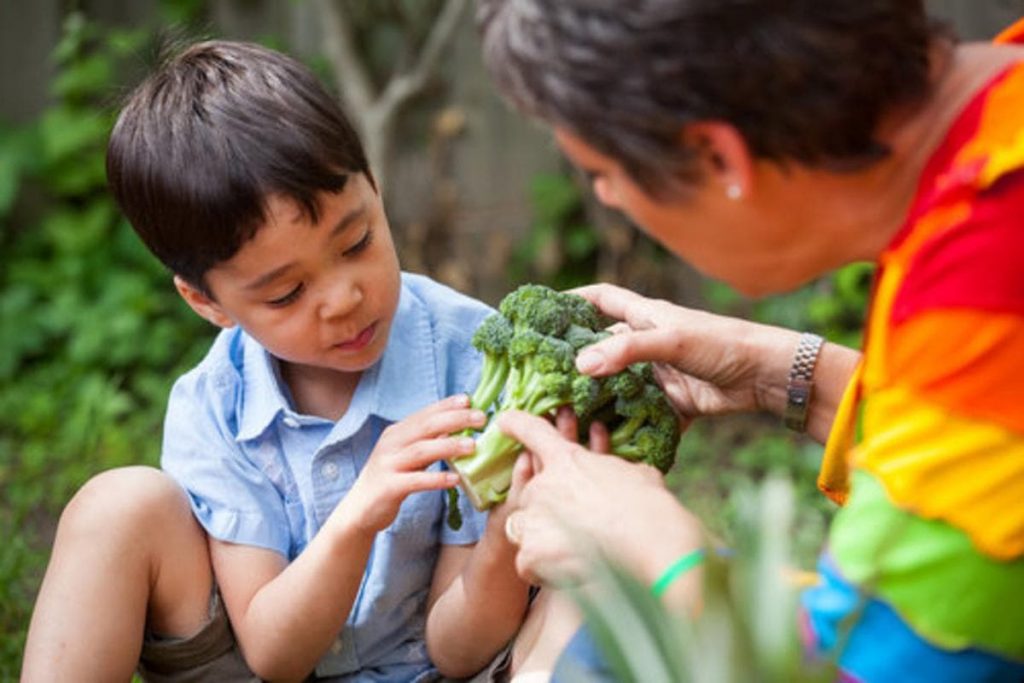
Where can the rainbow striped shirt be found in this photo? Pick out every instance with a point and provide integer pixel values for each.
(923, 577)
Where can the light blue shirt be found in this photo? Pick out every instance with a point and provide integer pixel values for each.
(260, 473)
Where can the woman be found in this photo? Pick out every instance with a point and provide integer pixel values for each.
(769, 143)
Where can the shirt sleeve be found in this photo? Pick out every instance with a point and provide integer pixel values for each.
(230, 496)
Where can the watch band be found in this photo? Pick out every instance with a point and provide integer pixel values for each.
(800, 385)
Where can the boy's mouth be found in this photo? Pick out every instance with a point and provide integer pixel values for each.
(360, 341)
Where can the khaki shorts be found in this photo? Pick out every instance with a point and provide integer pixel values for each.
(210, 655)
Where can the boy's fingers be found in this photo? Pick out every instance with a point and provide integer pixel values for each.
(437, 420)
(422, 454)
(428, 481)
(600, 441)
(537, 435)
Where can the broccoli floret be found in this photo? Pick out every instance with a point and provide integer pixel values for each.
(539, 308)
(543, 330)
(654, 444)
(649, 431)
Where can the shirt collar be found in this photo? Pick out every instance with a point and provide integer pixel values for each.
(263, 392)
(400, 383)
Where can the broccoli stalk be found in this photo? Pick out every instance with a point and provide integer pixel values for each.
(491, 339)
(539, 382)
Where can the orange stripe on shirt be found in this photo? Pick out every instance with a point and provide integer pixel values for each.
(967, 361)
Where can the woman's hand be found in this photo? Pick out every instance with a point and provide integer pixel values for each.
(571, 495)
(710, 364)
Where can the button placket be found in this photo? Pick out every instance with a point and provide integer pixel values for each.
(329, 470)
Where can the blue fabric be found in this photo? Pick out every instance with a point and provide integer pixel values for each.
(872, 644)
(259, 473)
(581, 660)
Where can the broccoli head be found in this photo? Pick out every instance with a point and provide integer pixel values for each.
(529, 349)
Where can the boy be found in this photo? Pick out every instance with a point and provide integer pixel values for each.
(309, 441)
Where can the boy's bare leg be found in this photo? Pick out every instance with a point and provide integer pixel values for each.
(127, 554)
(550, 624)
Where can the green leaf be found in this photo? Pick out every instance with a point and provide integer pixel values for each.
(67, 131)
(85, 77)
(555, 197)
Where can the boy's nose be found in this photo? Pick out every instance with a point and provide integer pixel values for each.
(341, 299)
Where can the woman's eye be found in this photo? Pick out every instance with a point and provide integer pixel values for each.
(361, 245)
(287, 298)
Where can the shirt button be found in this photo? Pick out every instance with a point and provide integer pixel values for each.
(336, 647)
(290, 421)
(330, 471)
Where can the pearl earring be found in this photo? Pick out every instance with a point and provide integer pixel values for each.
(733, 191)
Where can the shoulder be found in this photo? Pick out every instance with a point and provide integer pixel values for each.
(213, 387)
(956, 322)
(445, 306)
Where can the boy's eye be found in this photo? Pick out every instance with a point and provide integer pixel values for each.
(361, 245)
(287, 298)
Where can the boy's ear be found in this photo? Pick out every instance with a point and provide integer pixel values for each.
(725, 156)
(202, 304)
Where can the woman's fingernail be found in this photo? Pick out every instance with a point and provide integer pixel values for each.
(589, 361)
(466, 444)
(478, 417)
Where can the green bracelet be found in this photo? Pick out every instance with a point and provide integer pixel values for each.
(677, 569)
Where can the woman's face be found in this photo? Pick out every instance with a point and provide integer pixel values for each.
(755, 246)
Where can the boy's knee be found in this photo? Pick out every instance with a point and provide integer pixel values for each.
(123, 499)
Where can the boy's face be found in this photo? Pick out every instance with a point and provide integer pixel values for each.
(318, 296)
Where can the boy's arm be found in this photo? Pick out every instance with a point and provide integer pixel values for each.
(285, 616)
(477, 602)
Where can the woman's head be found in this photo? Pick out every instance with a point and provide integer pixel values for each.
(805, 81)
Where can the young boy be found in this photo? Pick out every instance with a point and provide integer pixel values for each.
(309, 442)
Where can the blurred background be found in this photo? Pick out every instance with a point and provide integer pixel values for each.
(92, 333)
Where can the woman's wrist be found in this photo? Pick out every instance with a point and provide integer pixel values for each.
(655, 546)
(772, 350)
(775, 348)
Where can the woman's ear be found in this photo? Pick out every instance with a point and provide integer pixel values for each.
(202, 304)
(725, 157)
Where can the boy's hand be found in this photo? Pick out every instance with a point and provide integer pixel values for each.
(396, 466)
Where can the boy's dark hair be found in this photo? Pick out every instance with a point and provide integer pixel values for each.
(802, 80)
(203, 142)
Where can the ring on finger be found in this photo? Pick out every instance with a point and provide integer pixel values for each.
(512, 531)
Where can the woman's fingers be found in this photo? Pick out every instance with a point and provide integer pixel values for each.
(613, 301)
(566, 423)
(537, 435)
(608, 356)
